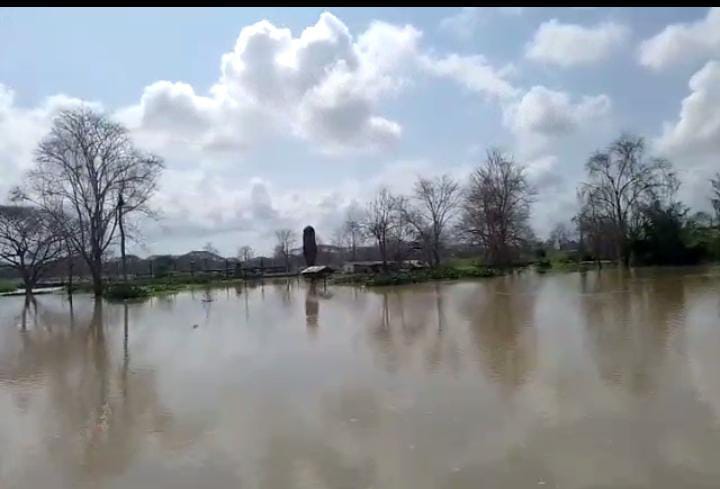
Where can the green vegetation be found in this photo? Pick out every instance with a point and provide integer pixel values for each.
(119, 292)
(459, 270)
(7, 286)
(137, 289)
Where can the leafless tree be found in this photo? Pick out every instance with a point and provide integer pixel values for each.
(715, 198)
(85, 167)
(380, 220)
(210, 248)
(622, 183)
(351, 232)
(429, 211)
(285, 240)
(29, 242)
(560, 235)
(245, 253)
(496, 208)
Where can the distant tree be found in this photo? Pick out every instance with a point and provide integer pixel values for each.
(496, 210)
(715, 199)
(429, 211)
(85, 167)
(380, 220)
(285, 240)
(560, 235)
(210, 248)
(29, 242)
(245, 253)
(310, 248)
(622, 183)
(352, 230)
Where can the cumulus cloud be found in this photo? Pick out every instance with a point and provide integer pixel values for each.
(464, 23)
(322, 86)
(568, 45)
(20, 131)
(542, 115)
(693, 140)
(683, 42)
(472, 72)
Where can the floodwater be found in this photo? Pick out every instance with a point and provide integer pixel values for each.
(604, 379)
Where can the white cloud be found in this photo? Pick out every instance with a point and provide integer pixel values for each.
(542, 115)
(683, 42)
(472, 72)
(20, 131)
(693, 140)
(568, 45)
(322, 88)
(464, 23)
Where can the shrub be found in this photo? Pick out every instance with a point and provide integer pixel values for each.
(121, 292)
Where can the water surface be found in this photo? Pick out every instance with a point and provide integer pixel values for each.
(591, 380)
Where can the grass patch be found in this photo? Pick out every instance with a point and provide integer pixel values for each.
(7, 286)
(120, 292)
(449, 272)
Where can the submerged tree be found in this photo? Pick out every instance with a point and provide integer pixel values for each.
(496, 209)
(85, 169)
(622, 183)
(429, 211)
(285, 240)
(30, 242)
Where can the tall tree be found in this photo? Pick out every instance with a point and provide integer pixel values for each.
(83, 167)
(245, 253)
(29, 242)
(715, 198)
(285, 240)
(352, 230)
(496, 209)
(622, 183)
(380, 219)
(430, 209)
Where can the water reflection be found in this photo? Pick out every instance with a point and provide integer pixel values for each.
(601, 379)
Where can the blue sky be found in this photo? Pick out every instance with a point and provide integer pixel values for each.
(311, 110)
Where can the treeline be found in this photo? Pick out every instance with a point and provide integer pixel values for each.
(89, 183)
(627, 211)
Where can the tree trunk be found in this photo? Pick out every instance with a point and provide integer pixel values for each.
(121, 203)
(96, 273)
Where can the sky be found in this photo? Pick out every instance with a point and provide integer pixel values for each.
(283, 117)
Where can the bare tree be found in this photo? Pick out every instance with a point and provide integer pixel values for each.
(496, 209)
(352, 230)
(85, 167)
(715, 198)
(380, 219)
(430, 210)
(622, 183)
(560, 235)
(29, 242)
(210, 248)
(285, 240)
(245, 253)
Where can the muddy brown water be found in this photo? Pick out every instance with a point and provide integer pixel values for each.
(604, 379)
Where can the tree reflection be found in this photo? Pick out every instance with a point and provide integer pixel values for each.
(501, 326)
(629, 322)
(98, 410)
